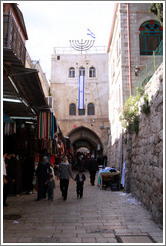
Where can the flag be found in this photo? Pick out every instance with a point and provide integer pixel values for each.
(90, 33)
(81, 92)
(123, 175)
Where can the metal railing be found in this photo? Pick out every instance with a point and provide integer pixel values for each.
(145, 74)
(12, 38)
(70, 50)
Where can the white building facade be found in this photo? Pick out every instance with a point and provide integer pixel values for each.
(86, 127)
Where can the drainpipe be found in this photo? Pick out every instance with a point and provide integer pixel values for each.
(129, 48)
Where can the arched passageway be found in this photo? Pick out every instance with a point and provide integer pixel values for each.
(82, 137)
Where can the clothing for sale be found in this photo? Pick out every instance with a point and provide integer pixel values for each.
(45, 126)
(5, 185)
(4, 168)
(10, 128)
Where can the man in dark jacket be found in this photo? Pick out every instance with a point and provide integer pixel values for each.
(92, 167)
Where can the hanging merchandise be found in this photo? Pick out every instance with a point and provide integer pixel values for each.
(45, 126)
(52, 159)
(10, 128)
(37, 158)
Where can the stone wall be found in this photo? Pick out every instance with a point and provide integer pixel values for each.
(143, 152)
(119, 89)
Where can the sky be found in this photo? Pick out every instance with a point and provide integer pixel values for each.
(52, 24)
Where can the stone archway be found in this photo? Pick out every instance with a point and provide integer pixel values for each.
(84, 137)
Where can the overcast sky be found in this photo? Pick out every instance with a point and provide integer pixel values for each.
(52, 24)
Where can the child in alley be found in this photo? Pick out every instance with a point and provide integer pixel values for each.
(80, 178)
(50, 187)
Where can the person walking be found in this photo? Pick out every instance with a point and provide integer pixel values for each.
(50, 187)
(92, 167)
(64, 175)
(80, 178)
(42, 173)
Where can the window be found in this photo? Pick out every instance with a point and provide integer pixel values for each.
(81, 111)
(71, 72)
(72, 109)
(91, 109)
(81, 71)
(92, 72)
(58, 57)
(151, 34)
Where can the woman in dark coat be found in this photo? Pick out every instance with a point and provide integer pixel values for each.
(42, 173)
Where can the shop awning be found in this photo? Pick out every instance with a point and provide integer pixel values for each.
(22, 84)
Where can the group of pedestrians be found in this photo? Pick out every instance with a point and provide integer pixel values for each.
(45, 178)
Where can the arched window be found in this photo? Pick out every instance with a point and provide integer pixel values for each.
(92, 72)
(71, 72)
(81, 71)
(72, 109)
(81, 111)
(151, 34)
(91, 109)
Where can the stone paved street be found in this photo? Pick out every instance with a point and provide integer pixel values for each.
(101, 216)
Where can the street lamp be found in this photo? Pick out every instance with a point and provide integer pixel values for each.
(136, 71)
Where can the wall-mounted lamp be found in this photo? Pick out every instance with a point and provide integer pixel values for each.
(22, 125)
(136, 70)
(92, 123)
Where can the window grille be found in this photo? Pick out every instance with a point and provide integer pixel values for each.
(71, 72)
(91, 109)
(72, 109)
(81, 71)
(92, 72)
(151, 34)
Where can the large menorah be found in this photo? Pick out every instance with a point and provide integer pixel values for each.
(83, 45)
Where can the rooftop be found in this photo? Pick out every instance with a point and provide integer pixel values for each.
(70, 50)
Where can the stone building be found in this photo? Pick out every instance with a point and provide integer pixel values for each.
(86, 127)
(135, 34)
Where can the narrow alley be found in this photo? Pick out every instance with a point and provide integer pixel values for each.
(87, 98)
(101, 216)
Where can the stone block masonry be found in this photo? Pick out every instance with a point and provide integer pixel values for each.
(143, 152)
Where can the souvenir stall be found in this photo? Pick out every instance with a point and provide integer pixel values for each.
(109, 178)
(49, 138)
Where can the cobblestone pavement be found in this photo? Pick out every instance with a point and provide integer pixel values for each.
(101, 216)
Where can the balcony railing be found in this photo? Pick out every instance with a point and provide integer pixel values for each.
(12, 38)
